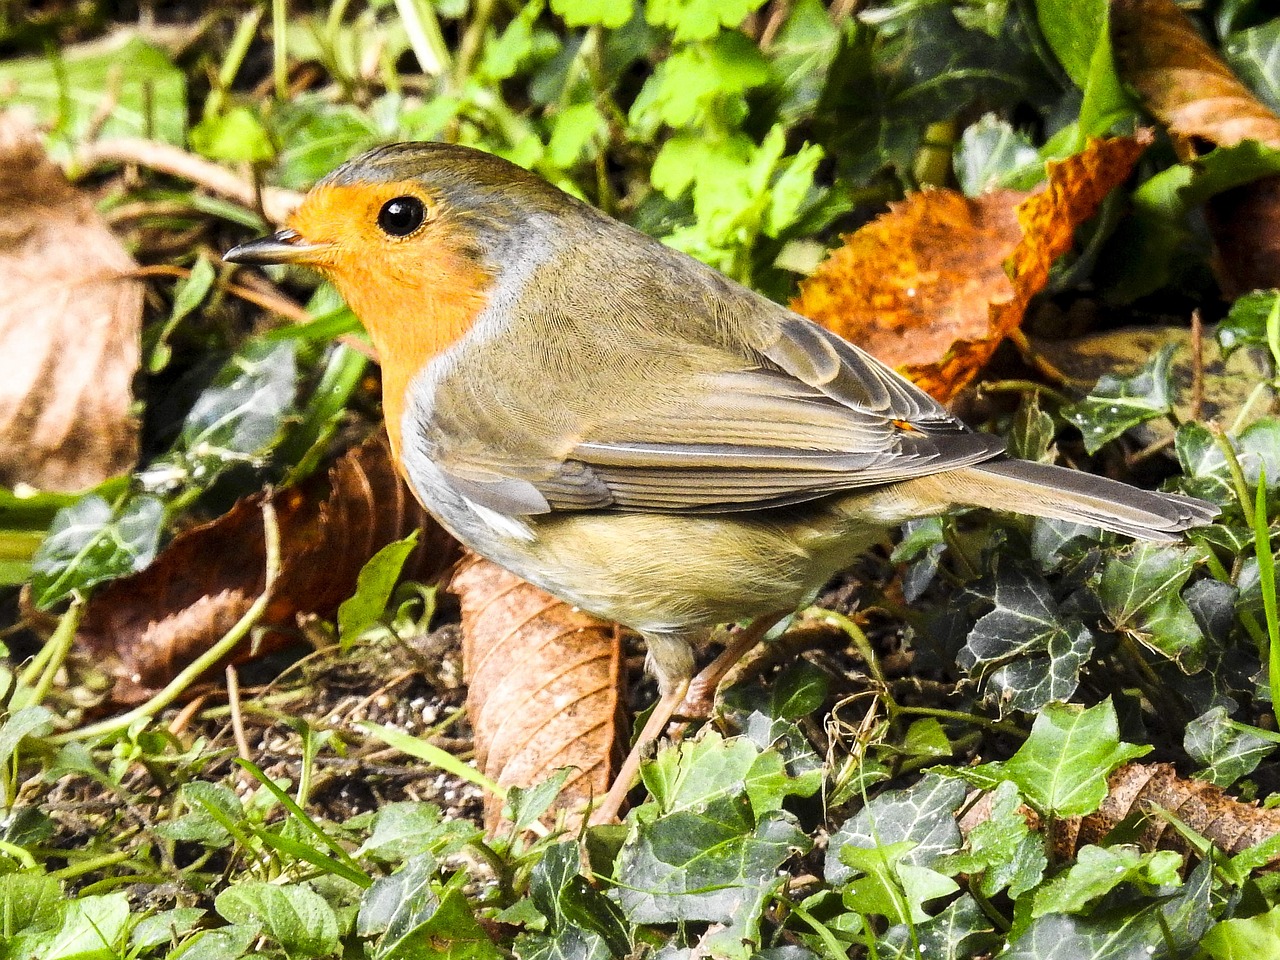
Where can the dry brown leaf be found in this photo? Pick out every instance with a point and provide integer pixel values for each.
(145, 628)
(935, 285)
(68, 328)
(543, 685)
(1146, 789)
(1182, 80)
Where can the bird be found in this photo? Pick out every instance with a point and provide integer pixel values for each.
(631, 430)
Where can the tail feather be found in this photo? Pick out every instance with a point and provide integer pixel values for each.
(1058, 493)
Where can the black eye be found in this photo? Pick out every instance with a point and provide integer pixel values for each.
(400, 216)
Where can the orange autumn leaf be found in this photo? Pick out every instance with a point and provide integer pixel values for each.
(543, 686)
(936, 284)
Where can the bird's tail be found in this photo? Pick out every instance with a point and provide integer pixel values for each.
(1057, 493)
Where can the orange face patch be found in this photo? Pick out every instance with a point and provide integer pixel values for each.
(416, 295)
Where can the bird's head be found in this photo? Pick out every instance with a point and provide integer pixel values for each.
(415, 236)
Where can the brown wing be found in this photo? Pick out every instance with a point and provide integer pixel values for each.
(807, 415)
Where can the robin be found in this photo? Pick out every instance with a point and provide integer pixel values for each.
(630, 430)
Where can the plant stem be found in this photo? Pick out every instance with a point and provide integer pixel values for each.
(271, 532)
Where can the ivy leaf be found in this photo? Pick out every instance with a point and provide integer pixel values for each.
(1253, 55)
(701, 851)
(1228, 750)
(1140, 591)
(1249, 321)
(1001, 851)
(921, 816)
(1117, 404)
(412, 919)
(1025, 650)
(958, 932)
(1145, 929)
(408, 829)
(1244, 938)
(90, 542)
(1099, 870)
(1063, 767)
(891, 886)
(800, 59)
(1031, 435)
(581, 921)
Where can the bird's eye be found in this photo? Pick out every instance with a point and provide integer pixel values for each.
(400, 216)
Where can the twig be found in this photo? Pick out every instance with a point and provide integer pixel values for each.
(276, 303)
(277, 203)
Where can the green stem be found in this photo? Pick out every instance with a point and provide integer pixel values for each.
(175, 688)
(58, 646)
(1000, 726)
(280, 48)
(472, 41)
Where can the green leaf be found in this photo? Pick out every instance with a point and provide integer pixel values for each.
(236, 136)
(505, 55)
(93, 928)
(1245, 938)
(296, 917)
(1073, 28)
(921, 816)
(1001, 851)
(92, 542)
(1162, 929)
(310, 131)
(209, 806)
(590, 13)
(703, 850)
(241, 415)
(581, 920)
(1099, 870)
(1141, 593)
(1227, 749)
(1117, 404)
(148, 94)
(800, 59)
(30, 904)
(575, 134)
(1026, 651)
(988, 152)
(225, 943)
(1063, 767)
(409, 917)
(374, 586)
(698, 19)
(691, 82)
(164, 928)
(708, 864)
(959, 932)
(33, 721)
(1249, 321)
(408, 829)
(1253, 55)
(524, 805)
(890, 887)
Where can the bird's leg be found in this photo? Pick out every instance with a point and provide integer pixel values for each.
(701, 695)
(665, 708)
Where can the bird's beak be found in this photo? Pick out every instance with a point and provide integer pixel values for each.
(285, 246)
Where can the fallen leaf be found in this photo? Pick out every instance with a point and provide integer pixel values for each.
(935, 285)
(543, 685)
(145, 628)
(1186, 84)
(69, 325)
(1147, 790)
(1182, 80)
